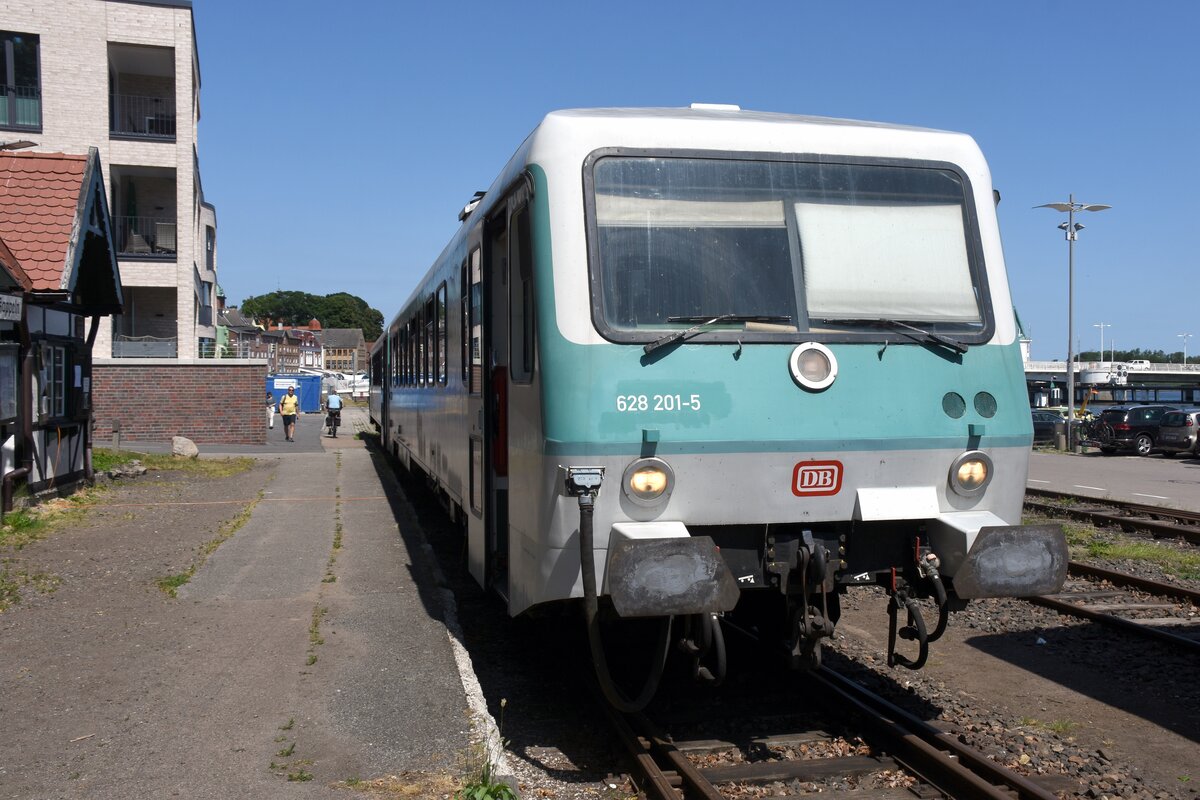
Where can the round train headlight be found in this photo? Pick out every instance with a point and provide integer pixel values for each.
(970, 473)
(813, 366)
(648, 481)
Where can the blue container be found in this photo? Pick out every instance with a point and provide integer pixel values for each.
(308, 388)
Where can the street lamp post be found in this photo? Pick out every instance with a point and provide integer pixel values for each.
(1101, 326)
(1072, 228)
(1185, 337)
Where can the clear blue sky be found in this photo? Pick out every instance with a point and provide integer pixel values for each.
(339, 147)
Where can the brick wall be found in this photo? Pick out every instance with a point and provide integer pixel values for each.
(209, 402)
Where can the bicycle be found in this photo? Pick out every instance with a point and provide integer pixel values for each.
(333, 418)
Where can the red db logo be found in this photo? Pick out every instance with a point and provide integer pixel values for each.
(817, 478)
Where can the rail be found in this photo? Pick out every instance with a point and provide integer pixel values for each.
(1158, 522)
(1076, 602)
(901, 741)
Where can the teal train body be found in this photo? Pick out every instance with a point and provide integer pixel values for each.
(673, 333)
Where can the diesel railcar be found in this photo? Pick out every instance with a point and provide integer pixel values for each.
(711, 363)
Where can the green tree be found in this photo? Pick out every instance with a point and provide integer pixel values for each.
(338, 310)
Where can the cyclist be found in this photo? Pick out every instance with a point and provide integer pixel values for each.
(333, 410)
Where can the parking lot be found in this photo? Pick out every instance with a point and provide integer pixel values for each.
(1154, 480)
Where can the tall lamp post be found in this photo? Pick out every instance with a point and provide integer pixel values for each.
(1185, 337)
(1072, 228)
(1101, 326)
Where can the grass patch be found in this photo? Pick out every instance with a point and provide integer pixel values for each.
(21, 527)
(171, 583)
(13, 581)
(1086, 542)
(165, 462)
(104, 459)
(314, 628)
(1061, 727)
(415, 785)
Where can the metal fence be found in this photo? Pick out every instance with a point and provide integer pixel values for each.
(144, 347)
(21, 107)
(151, 117)
(145, 236)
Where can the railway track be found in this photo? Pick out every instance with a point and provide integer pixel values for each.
(906, 757)
(1158, 522)
(1168, 615)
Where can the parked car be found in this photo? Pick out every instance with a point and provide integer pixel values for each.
(1045, 424)
(1177, 432)
(1130, 428)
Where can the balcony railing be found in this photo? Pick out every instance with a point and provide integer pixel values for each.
(143, 347)
(143, 117)
(21, 107)
(149, 237)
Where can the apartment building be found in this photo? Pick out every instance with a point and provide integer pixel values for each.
(124, 76)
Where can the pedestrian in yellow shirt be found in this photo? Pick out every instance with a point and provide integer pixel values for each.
(289, 405)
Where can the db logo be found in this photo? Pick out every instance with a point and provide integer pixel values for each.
(817, 478)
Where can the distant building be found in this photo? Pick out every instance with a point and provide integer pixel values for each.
(124, 76)
(345, 350)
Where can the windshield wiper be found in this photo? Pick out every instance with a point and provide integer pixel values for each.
(704, 322)
(911, 331)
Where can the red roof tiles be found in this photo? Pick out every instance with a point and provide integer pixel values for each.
(39, 198)
(10, 265)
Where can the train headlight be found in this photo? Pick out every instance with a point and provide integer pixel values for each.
(648, 481)
(970, 473)
(813, 365)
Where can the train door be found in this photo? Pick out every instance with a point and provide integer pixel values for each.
(495, 361)
(479, 462)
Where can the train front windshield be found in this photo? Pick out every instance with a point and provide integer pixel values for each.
(805, 247)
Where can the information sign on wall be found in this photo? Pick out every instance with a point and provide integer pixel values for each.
(10, 307)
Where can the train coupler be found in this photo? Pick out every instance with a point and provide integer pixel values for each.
(810, 623)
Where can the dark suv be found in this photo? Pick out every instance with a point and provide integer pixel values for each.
(1130, 428)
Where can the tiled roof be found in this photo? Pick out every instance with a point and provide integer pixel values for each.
(342, 337)
(39, 198)
(13, 267)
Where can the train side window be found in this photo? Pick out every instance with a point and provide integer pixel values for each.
(410, 353)
(419, 350)
(393, 358)
(521, 338)
(475, 323)
(405, 358)
(442, 338)
(464, 318)
(430, 365)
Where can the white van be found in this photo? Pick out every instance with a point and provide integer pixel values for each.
(1139, 363)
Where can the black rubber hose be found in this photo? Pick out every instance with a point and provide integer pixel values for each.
(915, 630)
(591, 608)
(943, 609)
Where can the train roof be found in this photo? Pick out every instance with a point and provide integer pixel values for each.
(569, 134)
(701, 111)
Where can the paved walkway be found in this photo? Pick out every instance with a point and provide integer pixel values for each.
(320, 626)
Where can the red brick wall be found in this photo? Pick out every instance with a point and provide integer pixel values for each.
(215, 403)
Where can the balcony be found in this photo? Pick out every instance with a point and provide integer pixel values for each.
(149, 238)
(21, 107)
(138, 117)
(143, 347)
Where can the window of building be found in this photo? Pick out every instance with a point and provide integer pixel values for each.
(53, 376)
(20, 81)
